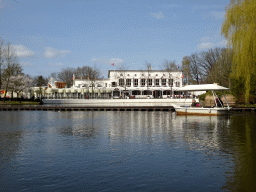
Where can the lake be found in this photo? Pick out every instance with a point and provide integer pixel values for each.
(126, 151)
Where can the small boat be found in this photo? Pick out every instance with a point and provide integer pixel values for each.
(218, 109)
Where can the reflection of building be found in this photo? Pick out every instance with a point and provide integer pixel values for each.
(137, 83)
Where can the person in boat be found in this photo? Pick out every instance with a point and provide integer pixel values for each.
(193, 103)
(219, 102)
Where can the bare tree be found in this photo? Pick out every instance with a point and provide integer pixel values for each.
(123, 67)
(222, 68)
(149, 69)
(207, 60)
(66, 75)
(195, 68)
(169, 65)
(186, 69)
(12, 68)
(1, 59)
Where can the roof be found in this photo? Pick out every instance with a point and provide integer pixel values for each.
(150, 71)
(203, 87)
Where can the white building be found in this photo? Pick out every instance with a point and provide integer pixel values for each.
(134, 83)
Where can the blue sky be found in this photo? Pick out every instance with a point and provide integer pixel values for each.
(53, 34)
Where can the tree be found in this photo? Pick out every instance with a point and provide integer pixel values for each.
(186, 69)
(1, 59)
(239, 28)
(66, 75)
(12, 68)
(169, 65)
(40, 81)
(19, 83)
(221, 70)
(148, 68)
(207, 60)
(195, 70)
(122, 67)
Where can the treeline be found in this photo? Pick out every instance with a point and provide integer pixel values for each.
(11, 76)
(211, 66)
(85, 72)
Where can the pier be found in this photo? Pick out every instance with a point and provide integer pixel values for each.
(85, 108)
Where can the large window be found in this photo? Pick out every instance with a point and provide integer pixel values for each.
(177, 84)
(121, 82)
(170, 82)
(156, 82)
(149, 82)
(113, 84)
(128, 82)
(135, 82)
(163, 82)
(142, 82)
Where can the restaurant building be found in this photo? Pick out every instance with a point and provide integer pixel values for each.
(132, 83)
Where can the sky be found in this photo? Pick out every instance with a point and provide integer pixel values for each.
(50, 35)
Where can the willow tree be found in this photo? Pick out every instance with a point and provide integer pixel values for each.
(239, 28)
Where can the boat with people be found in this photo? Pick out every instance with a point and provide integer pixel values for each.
(195, 109)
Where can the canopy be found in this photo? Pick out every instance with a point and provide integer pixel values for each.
(203, 87)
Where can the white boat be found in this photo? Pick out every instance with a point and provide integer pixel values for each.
(216, 110)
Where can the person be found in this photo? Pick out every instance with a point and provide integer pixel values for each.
(193, 103)
(197, 105)
(219, 102)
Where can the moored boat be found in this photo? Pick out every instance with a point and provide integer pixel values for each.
(218, 109)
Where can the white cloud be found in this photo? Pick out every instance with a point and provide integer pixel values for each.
(51, 52)
(116, 61)
(23, 51)
(157, 15)
(205, 39)
(207, 44)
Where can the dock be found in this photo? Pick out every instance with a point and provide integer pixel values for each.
(85, 108)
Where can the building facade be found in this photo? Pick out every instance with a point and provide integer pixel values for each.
(133, 83)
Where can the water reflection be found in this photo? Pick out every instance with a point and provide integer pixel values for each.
(216, 152)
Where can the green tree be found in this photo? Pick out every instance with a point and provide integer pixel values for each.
(239, 28)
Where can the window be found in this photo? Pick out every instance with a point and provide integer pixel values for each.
(106, 84)
(142, 82)
(128, 82)
(113, 84)
(163, 82)
(177, 84)
(121, 82)
(135, 82)
(149, 82)
(121, 75)
(142, 74)
(128, 75)
(170, 82)
(157, 82)
(135, 75)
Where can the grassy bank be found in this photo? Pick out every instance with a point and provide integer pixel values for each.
(246, 105)
(19, 103)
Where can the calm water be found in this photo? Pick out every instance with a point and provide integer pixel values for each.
(126, 151)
